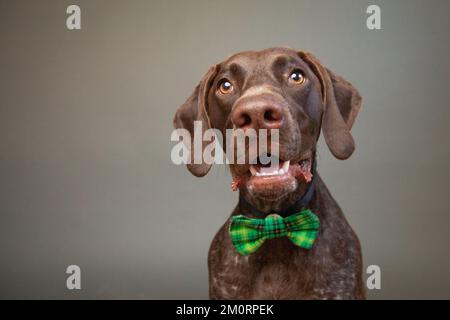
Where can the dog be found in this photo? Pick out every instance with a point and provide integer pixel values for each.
(288, 90)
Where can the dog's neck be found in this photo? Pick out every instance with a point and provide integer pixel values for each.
(285, 207)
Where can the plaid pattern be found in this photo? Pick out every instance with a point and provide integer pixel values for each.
(249, 234)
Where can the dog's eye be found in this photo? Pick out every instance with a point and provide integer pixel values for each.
(225, 86)
(297, 77)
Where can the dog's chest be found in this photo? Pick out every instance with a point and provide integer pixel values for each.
(277, 281)
(281, 270)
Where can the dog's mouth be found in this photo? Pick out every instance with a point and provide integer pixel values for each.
(275, 179)
(283, 168)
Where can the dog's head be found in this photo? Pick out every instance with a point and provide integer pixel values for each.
(274, 89)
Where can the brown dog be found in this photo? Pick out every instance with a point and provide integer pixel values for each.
(293, 92)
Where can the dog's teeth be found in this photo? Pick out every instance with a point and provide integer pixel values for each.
(264, 170)
(286, 166)
(269, 171)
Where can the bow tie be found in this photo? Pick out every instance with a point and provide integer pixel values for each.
(249, 234)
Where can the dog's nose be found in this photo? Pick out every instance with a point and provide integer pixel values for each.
(257, 115)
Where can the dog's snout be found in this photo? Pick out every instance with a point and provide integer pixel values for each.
(257, 114)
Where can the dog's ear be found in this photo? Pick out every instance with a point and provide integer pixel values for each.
(342, 103)
(347, 98)
(195, 109)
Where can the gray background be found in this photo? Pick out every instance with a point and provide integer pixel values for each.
(86, 117)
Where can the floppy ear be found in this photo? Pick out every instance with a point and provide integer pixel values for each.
(347, 98)
(342, 103)
(195, 109)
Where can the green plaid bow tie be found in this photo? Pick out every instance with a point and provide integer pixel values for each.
(249, 234)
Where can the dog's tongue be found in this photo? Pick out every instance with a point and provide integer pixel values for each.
(302, 171)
